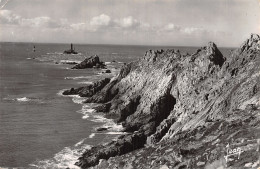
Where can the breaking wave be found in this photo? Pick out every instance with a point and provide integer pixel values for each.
(23, 99)
(66, 158)
(78, 77)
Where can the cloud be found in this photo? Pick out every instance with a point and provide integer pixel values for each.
(101, 20)
(83, 27)
(108, 23)
(36, 22)
(171, 27)
(8, 17)
(78, 26)
(128, 22)
(192, 30)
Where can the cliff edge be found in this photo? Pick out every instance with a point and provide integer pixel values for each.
(183, 111)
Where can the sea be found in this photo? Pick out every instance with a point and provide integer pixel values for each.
(41, 128)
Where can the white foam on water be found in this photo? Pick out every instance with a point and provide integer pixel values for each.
(86, 82)
(60, 92)
(9, 99)
(75, 98)
(78, 77)
(115, 133)
(99, 119)
(109, 123)
(89, 113)
(80, 143)
(69, 61)
(85, 116)
(91, 135)
(55, 53)
(86, 111)
(78, 100)
(113, 126)
(66, 158)
(23, 99)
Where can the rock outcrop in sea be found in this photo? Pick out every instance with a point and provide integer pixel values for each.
(91, 62)
(89, 90)
(183, 111)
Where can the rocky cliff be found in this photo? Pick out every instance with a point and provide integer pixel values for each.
(184, 111)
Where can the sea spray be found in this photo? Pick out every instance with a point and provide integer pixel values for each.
(92, 135)
(66, 158)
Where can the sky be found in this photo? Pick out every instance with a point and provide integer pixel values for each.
(130, 22)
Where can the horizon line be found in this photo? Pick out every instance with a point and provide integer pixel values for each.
(115, 44)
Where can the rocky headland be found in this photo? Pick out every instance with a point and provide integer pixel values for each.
(183, 111)
(91, 62)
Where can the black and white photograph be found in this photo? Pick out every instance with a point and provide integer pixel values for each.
(130, 84)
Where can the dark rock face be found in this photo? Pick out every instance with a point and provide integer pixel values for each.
(70, 51)
(185, 109)
(89, 90)
(102, 129)
(108, 71)
(90, 62)
(126, 144)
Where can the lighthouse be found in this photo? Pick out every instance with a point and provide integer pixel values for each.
(71, 50)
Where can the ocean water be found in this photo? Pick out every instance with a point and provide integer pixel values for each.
(40, 128)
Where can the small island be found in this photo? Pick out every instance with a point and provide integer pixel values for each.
(91, 62)
(71, 50)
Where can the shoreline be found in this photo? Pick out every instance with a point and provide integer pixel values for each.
(68, 156)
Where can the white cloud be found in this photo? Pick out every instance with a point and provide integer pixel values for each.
(101, 20)
(8, 17)
(78, 26)
(191, 30)
(184, 30)
(36, 22)
(82, 27)
(128, 22)
(171, 27)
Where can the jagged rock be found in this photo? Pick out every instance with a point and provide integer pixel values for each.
(103, 107)
(192, 104)
(102, 128)
(90, 62)
(253, 43)
(108, 71)
(124, 145)
(89, 90)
